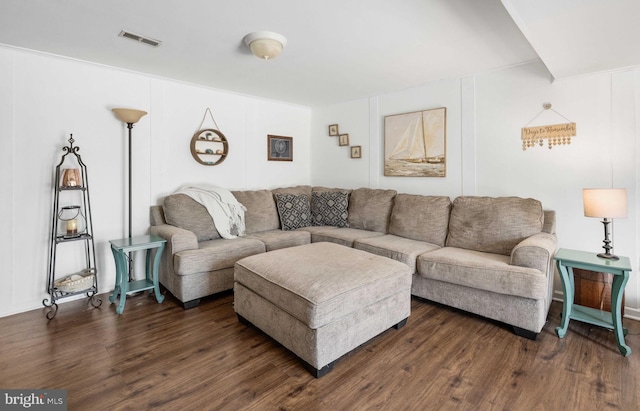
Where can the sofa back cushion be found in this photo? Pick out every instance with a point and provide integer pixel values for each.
(156, 215)
(182, 211)
(493, 225)
(261, 214)
(302, 189)
(422, 218)
(323, 188)
(369, 209)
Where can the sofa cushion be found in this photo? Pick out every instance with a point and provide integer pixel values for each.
(156, 215)
(493, 225)
(277, 239)
(330, 208)
(182, 211)
(484, 271)
(261, 214)
(318, 229)
(342, 236)
(322, 188)
(294, 211)
(215, 255)
(369, 209)
(422, 218)
(397, 248)
(302, 189)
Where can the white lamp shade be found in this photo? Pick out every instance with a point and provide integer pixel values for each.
(605, 202)
(265, 44)
(128, 115)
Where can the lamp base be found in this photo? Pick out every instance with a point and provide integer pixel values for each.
(607, 242)
(608, 256)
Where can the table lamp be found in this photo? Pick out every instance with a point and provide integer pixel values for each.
(605, 203)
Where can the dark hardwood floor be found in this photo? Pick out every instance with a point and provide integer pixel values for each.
(158, 356)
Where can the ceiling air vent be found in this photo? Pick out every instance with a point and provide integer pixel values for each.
(139, 38)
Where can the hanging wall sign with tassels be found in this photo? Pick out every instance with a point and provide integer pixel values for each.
(555, 134)
(209, 146)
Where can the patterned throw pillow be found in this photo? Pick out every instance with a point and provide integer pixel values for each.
(294, 211)
(330, 208)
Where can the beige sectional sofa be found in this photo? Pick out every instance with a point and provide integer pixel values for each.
(488, 256)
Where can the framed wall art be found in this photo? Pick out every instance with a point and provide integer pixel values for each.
(356, 151)
(343, 139)
(279, 148)
(333, 130)
(415, 144)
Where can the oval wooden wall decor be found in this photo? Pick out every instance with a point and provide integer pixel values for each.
(209, 147)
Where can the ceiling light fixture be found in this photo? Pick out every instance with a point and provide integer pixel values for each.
(265, 44)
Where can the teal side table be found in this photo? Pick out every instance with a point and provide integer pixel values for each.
(120, 249)
(566, 261)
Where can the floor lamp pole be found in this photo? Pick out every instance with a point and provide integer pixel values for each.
(130, 126)
(129, 116)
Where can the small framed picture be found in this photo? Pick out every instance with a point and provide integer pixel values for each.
(356, 151)
(333, 130)
(279, 148)
(343, 139)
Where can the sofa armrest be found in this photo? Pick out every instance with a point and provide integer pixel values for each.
(179, 239)
(535, 252)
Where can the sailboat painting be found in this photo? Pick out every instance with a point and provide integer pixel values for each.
(415, 144)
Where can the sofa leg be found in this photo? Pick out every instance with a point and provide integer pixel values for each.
(317, 373)
(400, 324)
(521, 332)
(244, 321)
(191, 304)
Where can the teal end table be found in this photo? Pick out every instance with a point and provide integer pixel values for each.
(120, 249)
(566, 261)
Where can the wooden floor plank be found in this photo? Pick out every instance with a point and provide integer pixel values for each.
(162, 357)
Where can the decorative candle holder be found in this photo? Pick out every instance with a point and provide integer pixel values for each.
(70, 177)
(71, 222)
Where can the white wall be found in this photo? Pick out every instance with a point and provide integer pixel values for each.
(484, 152)
(331, 164)
(45, 98)
(364, 121)
(602, 155)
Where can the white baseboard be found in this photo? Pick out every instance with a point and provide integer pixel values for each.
(630, 313)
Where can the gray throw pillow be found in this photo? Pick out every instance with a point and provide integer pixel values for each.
(330, 208)
(294, 211)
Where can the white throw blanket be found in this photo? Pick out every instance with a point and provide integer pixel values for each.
(226, 211)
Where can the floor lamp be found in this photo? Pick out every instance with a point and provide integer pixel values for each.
(130, 117)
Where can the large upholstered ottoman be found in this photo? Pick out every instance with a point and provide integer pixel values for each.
(322, 300)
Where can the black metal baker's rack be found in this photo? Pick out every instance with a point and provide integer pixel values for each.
(88, 284)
